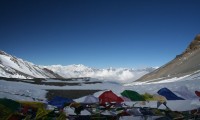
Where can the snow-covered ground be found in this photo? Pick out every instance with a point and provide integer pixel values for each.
(30, 92)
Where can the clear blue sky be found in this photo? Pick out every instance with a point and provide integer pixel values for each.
(98, 33)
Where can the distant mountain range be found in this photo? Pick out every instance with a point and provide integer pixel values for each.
(118, 74)
(13, 67)
(186, 63)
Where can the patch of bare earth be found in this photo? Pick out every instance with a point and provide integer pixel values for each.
(73, 94)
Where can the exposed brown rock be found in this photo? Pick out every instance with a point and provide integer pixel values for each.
(183, 64)
(194, 45)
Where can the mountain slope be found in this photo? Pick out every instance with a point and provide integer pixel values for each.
(184, 64)
(12, 67)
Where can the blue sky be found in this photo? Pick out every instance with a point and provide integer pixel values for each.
(98, 33)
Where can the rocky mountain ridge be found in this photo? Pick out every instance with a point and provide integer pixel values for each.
(186, 63)
(13, 67)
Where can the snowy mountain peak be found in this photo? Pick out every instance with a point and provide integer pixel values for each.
(13, 67)
(73, 67)
(118, 74)
(3, 53)
(78, 67)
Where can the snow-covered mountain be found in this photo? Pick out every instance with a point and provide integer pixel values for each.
(184, 64)
(121, 75)
(13, 67)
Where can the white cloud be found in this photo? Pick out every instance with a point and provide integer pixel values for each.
(121, 75)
